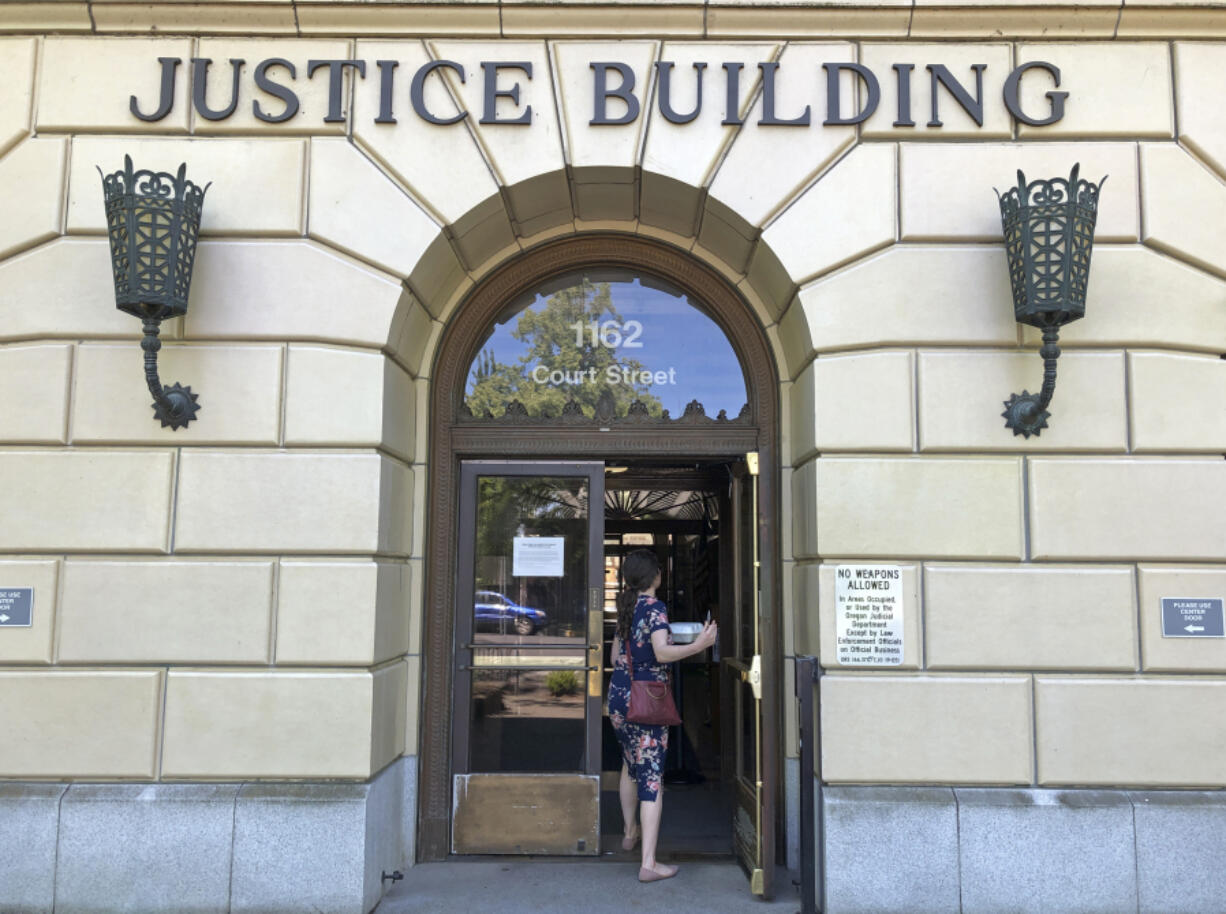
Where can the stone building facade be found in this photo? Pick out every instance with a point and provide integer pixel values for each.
(226, 659)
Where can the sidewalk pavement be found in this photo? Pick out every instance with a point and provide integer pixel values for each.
(529, 886)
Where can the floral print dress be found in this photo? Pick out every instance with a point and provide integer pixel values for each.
(643, 745)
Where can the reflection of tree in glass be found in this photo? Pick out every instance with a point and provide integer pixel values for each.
(549, 333)
(505, 503)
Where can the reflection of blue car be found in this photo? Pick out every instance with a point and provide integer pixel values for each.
(492, 607)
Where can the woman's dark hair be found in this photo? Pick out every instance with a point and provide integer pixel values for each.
(639, 570)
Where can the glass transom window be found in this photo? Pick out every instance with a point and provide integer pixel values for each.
(608, 341)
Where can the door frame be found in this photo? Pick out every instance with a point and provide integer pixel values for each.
(454, 437)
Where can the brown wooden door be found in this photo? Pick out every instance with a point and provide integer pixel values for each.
(753, 826)
(528, 623)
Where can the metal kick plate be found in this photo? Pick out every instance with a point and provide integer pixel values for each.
(526, 814)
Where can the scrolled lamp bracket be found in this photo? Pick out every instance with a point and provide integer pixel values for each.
(153, 222)
(1049, 234)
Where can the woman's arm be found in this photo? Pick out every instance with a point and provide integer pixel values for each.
(667, 653)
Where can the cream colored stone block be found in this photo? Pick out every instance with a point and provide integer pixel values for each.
(17, 76)
(1142, 508)
(86, 85)
(355, 207)
(1030, 617)
(86, 500)
(393, 625)
(1152, 732)
(954, 120)
(257, 185)
(805, 539)
(311, 91)
(926, 729)
(421, 446)
(396, 19)
(787, 548)
(165, 612)
(1116, 89)
(861, 188)
(796, 154)
(943, 20)
(1138, 297)
(947, 189)
(912, 629)
(239, 390)
(786, 623)
(70, 279)
(398, 491)
(234, 501)
(644, 19)
(411, 333)
(1201, 127)
(389, 720)
(34, 393)
(962, 396)
(891, 299)
(76, 724)
(801, 413)
(32, 644)
(399, 411)
(334, 396)
(414, 583)
(1177, 402)
(33, 178)
(887, 20)
(516, 152)
(412, 706)
(312, 628)
(172, 17)
(899, 507)
(417, 152)
(794, 338)
(806, 619)
(589, 145)
(1185, 206)
(268, 724)
(36, 16)
(865, 401)
(1179, 655)
(690, 152)
(287, 290)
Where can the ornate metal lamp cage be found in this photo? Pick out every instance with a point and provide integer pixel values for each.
(153, 220)
(1049, 233)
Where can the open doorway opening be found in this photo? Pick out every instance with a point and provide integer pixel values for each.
(681, 513)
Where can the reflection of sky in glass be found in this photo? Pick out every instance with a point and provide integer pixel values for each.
(675, 335)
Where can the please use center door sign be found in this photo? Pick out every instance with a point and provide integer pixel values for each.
(868, 615)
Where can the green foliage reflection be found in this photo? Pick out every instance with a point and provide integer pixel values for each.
(550, 335)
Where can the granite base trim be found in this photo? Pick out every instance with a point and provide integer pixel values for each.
(205, 848)
(974, 850)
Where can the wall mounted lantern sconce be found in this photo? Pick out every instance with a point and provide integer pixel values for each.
(1049, 232)
(153, 219)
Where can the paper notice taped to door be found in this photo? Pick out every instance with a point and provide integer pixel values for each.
(538, 557)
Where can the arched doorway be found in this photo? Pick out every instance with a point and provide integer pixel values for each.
(642, 445)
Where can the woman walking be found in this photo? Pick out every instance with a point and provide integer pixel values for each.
(642, 624)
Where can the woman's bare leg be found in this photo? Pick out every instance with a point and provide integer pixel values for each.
(649, 815)
(629, 793)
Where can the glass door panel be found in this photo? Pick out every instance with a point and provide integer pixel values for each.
(528, 684)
